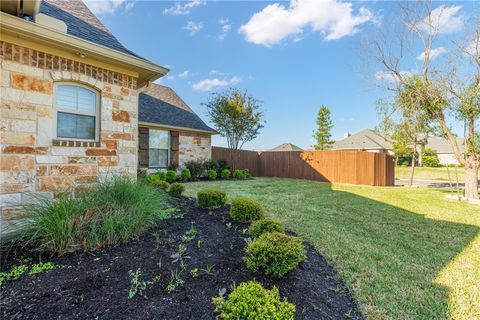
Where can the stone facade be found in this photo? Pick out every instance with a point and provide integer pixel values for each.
(32, 160)
(194, 146)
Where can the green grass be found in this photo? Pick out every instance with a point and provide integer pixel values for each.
(404, 254)
(425, 173)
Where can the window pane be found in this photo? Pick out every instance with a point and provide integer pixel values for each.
(75, 126)
(158, 139)
(76, 98)
(157, 158)
(86, 100)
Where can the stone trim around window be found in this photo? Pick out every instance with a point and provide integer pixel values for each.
(75, 143)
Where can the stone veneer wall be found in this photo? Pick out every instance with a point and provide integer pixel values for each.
(194, 146)
(31, 159)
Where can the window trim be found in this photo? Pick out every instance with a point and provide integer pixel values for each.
(81, 113)
(168, 148)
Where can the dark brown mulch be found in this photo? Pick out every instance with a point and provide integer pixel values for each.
(96, 286)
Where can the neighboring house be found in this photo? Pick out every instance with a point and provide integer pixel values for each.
(69, 108)
(365, 140)
(170, 132)
(286, 147)
(444, 149)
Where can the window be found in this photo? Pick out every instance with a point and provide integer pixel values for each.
(77, 112)
(159, 147)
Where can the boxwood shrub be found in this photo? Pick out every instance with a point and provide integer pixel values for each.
(185, 175)
(176, 189)
(162, 185)
(211, 198)
(246, 173)
(157, 176)
(259, 227)
(226, 174)
(171, 176)
(250, 300)
(212, 174)
(239, 174)
(246, 209)
(274, 253)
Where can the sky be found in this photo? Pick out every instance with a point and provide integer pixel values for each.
(292, 56)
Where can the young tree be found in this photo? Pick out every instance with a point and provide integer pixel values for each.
(236, 117)
(322, 135)
(439, 93)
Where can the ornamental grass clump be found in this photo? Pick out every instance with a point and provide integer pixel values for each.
(274, 253)
(211, 198)
(259, 227)
(107, 213)
(176, 190)
(246, 209)
(250, 300)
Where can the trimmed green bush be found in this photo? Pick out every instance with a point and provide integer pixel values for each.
(274, 253)
(250, 300)
(246, 173)
(226, 174)
(161, 185)
(259, 227)
(239, 174)
(211, 198)
(176, 189)
(430, 161)
(246, 209)
(157, 176)
(212, 174)
(195, 167)
(108, 213)
(222, 165)
(185, 174)
(171, 176)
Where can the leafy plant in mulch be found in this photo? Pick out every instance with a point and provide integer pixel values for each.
(162, 184)
(171, 176)
(176, 189)
(156, 177)
(275, 254)
(20, 270)
(136, 284)
(250, 300)
(259, 227)
(108, 213)
(212, 174)
(211, 198)
(246, 209)
(226, 174)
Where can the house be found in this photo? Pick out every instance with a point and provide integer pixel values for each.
(69, 109)
(369, 140)
(365, 140)
(286, 147)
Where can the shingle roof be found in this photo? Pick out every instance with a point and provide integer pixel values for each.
(443, 146)
(364, 140)
(161, 105)
(82, 23)
(286, 147)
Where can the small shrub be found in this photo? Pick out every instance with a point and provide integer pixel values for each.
(210, 165)
(257, 228)
(246, 209)
(274, 253)
(185, 174)
(196, 168)
(211, 198)
(176, 189)
(250, 300)
(161, 185)
(212, 174)
(222, 165)
(430, 161)
(239, 174)
(226, 174)
(171, 176)
(156, 177)
(246, 173)
(172, 167)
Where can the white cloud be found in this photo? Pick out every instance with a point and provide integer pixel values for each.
(331, 18)
(183, 9)
(391, 77)
(433, 53)
(193, 27)
(444, 20)
(216, 72)
(209, 84)
(226, 26)
(184, 74)
(104, 6)
(129, 6)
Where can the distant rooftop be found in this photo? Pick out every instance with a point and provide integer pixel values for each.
(286, 147)
(364, 140)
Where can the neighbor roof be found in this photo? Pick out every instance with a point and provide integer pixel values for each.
(443, 146)
(82, 23)
(364, 140)
(161, 105)
(286, 147)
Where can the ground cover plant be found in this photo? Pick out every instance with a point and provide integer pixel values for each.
(108, 213)
(405, 254)
(171, 271)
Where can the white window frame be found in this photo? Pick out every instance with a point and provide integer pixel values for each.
(91, 114)
(168, 148)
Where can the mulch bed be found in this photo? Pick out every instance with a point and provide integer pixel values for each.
(96, 285)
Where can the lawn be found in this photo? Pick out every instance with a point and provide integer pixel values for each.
(404, 254)
(425, 173)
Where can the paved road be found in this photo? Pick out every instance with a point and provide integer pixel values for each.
(427, 183)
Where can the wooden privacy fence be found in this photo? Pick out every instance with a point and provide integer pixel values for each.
(356, 167)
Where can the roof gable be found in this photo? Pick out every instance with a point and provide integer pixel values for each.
(286, 147)
(366, 139)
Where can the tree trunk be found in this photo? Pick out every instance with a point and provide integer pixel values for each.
(412, 169)
(471, 181)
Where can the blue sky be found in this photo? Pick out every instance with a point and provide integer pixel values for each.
(302, 58)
